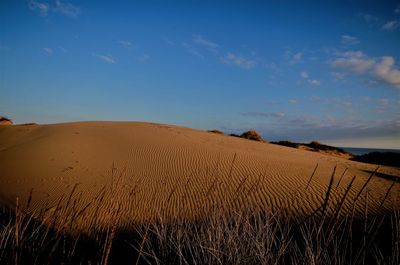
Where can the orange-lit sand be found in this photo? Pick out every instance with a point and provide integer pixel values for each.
(151, 171)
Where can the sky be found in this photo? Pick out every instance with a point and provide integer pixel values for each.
(292, 70)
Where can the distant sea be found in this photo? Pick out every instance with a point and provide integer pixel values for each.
(362, 151)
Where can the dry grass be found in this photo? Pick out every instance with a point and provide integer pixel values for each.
(330, 235)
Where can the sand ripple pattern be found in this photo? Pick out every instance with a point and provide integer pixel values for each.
(96, 173)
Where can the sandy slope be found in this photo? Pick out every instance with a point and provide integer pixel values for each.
(152, 170)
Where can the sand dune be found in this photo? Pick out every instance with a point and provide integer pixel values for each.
(145, 171)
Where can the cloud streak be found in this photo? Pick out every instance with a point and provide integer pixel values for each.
(391, 25)
(349, 40)
(61, 7)
(48, 50)
(294, 58)
(311, 127)
(125, 43)
(263, 114)
(40, 7)
(192, 50)
(67, 9)
(238, 60)
(200, 40)
(105, 58)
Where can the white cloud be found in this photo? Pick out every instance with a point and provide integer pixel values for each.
(349, 40)
(67, 9)
(48, 50)
(293, 58)
(61, 7)
(292, 101)
(125, 43)
(238, 60)
(304, 75)
(296, 58)
(105, 58)
(200, 40)
(41, 7)
(382, 69)
(62, 49)
(385, 71)
(338, 76)
(314, 82)
(355, 61)
(391, 25)
(314, 98)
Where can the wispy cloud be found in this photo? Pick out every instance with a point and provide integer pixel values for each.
(339, 76)
(314, 82)
(349, 40)
(294, 58)
(391, 25)
(264, 114)
(105, 58)
(61, 7)
(41, 7)
(48, 50)
(292, 101)
(238, 60)
(67, 9)
(314, 98)
(192, 50)
(320, 126)
(200, 40)
(125, 43)
(306, 77)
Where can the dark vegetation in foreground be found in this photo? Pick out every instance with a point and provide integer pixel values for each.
(380, 158)
(330, 235)
(219, 239)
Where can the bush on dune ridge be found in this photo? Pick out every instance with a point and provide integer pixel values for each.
(324, 237)
(5, 121)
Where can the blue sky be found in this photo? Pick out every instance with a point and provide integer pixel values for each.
(293, 70)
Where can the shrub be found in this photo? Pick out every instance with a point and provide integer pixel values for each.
(252, 135)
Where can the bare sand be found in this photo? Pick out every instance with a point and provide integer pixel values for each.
(146, 171)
